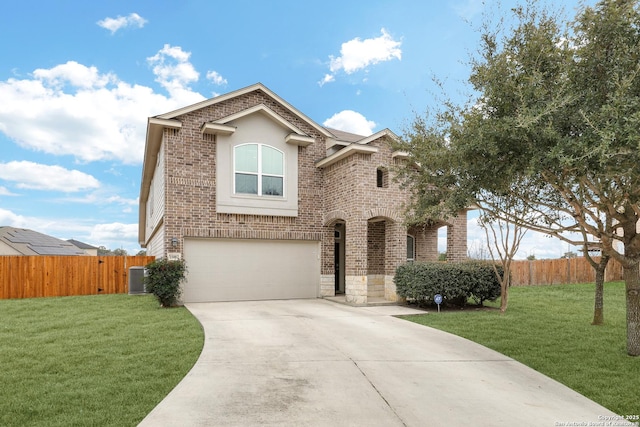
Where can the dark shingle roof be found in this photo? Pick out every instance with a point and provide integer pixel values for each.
(29, 242)
(345, 136)
(81, 245)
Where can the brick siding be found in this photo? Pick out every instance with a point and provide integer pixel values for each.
(345, 192)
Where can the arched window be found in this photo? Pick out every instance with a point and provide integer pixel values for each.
(259, 170)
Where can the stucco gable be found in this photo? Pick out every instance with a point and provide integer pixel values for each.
(221, 126)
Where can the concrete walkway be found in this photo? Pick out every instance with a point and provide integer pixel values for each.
(318, 363)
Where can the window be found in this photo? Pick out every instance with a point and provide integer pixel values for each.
(258, 170)
(411, 248)
(382, 178)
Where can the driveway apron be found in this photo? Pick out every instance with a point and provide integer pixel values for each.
(318, 363)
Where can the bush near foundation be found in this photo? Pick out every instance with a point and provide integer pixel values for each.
(163, 280)
(456, 282)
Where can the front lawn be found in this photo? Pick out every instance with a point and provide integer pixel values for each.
(102, 360)
(549, 329)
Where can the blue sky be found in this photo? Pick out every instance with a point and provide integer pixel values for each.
(78, 80)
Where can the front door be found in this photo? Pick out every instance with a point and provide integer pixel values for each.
(339, 258)
(336, 260)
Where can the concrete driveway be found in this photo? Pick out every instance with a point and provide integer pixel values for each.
(318, 363)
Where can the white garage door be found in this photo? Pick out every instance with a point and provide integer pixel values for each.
(236, 270)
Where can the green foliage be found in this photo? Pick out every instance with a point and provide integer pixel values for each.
(456, 282)
(553, 124)
(103, 251)
(163, 280)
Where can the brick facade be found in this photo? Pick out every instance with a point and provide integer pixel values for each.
(347, 192)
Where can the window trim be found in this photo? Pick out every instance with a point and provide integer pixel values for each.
(259, 173)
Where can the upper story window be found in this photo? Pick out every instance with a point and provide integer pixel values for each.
(382, 177)
(259, 170)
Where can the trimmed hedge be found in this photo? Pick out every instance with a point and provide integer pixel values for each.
(456, 282)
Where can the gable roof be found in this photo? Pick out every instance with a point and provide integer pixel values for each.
(257, 86)
(29, 242)
(345, 136)
(350, 143)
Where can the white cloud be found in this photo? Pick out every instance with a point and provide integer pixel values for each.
(73, 109)
(102, 197)
(115, 24)
(328, 78)
(4, 191)
(10, 219)
(174, 72)
(358, 54)
(37, 176)
(73, 74)
(115, 231)
(468, 9)
(216, 78)
(351, 121)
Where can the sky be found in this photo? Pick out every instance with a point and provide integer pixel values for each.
(78, 80)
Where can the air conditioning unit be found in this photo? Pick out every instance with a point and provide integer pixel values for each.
(136, 281)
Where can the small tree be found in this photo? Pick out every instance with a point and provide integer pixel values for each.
(163, 280)
(503, 236)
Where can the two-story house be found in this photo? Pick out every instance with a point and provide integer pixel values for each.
(264, 203)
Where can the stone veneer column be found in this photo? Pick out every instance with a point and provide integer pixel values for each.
(396, 254)
(356, 262)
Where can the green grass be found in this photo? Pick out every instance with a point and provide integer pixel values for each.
(91, 360)
(549, 329)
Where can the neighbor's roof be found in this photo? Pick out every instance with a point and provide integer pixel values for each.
(29, 242)
(80, 244)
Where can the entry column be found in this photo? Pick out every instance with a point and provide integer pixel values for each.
(396, 254)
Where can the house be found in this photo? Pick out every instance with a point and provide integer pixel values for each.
(21, 241)
(89, 249)
(264, 203)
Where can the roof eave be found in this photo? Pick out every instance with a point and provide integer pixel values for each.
(155, 127)
(344, 153)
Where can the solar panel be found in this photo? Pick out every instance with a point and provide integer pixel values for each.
(41, 243)
(53, 250)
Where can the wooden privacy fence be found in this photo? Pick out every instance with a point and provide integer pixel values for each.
(49, 276)
(560, 271)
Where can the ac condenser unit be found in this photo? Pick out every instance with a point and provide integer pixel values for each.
(136, 281)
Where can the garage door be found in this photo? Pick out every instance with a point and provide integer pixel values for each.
(236, 270)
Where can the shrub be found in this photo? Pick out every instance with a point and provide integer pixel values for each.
(163, 280)
(456, 282)
(485, 285)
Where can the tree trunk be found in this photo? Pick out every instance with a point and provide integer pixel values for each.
(598, 309)
(598, 312)
(632, 287)
(504, 292)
